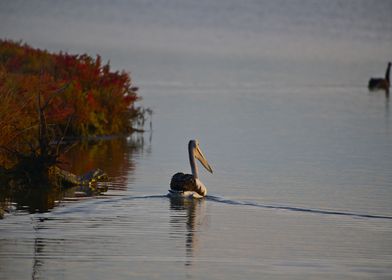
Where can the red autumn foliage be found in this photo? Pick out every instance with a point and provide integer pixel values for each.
(78, 89)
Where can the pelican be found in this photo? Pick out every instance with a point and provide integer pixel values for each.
(380, 83)
(189, 185)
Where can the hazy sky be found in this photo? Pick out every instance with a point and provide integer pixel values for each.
(211, 34)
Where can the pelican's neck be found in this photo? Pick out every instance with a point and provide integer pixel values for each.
(192, 161)
(387, 72)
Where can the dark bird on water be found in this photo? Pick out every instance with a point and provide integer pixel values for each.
(189, 185)
(381, 83)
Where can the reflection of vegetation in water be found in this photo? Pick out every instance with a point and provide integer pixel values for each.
(43, 197)
(114, 156)
(39, 199)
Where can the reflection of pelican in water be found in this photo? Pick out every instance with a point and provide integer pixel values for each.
(189, 185)
(189, 212)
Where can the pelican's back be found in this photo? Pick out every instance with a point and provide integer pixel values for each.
(182, 182)
(378, 83)
(381, 83)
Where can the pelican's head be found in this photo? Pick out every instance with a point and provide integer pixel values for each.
(194, 145)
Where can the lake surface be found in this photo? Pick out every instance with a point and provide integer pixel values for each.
(276, 93)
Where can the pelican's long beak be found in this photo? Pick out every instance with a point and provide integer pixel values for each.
(199, 155)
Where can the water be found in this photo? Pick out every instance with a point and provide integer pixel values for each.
(275, 91)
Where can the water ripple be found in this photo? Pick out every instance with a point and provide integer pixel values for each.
(87, 206)
(296, 209)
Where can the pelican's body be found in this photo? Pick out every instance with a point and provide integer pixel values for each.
(189, 185)
(381, 83)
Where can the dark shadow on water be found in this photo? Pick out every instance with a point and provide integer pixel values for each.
(191, 214)
(39, 200)
(40, 254)
(114, 155)
(39, 245)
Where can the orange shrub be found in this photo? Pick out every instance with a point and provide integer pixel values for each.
(75, 88)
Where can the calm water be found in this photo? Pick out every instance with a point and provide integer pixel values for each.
(275, 91)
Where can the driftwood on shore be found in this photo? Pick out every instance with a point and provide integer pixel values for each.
(54, 175)
(66, 178)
